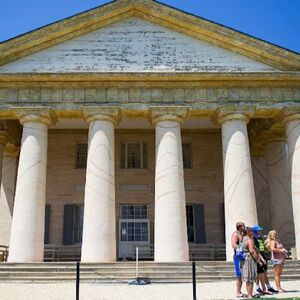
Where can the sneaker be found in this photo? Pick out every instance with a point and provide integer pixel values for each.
(272, 290)
(259, 290)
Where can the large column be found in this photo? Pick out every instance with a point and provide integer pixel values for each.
(239, 196)
(170, 236)
(9, 172)
(279, 188)
(99, 227)
(27, 233)
(259, 171)
(3, 142)
(292, 125)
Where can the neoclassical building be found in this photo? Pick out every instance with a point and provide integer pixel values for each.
(135, 123)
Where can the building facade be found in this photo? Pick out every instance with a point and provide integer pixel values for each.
(138, 124)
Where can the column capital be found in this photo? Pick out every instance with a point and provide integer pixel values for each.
(11, 150)
(42, 115)
(3, 137)
(224, 114)
(257, 150)
(104, 113)
(289, 114)
(168, 113)
(272, 136)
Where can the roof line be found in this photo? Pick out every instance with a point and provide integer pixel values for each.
(172, 7)
(57, 21)
(228, 27)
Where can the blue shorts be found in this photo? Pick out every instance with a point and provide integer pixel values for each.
(237, 266)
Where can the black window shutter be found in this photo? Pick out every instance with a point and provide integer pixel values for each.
(68, 224)
(47, 223)
(200, 224)
(123, 147)
(222, 214)
(145, 162)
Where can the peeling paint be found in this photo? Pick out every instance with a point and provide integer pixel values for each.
(134, 45)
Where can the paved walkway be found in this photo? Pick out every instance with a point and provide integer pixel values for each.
(66, 291)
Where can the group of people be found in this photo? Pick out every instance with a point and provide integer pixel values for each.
(251, 255)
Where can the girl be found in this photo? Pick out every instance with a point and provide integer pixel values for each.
(278, 255)
(249, 265)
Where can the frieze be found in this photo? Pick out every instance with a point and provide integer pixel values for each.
(148, 95)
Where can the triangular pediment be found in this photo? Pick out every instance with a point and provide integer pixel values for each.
(140, 36)
(134, 45)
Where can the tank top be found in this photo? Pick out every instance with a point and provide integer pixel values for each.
(277, 255)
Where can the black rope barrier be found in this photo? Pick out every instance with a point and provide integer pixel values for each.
(194, 281)
(77, 279)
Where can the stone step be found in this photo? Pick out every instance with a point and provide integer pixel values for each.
(150, 270)
(125, 280)
(200, 268)
(122, 265)
(124, 271)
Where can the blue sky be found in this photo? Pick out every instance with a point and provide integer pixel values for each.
(276, 21)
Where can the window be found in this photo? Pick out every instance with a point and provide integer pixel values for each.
(134, 211)
(134, 225)
(134, 155)
(78, 223)
(187, 155)
(134, 231)
(73, 224)
(190, 223)
(81, 156)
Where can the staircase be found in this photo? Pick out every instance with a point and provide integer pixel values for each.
(122, 272)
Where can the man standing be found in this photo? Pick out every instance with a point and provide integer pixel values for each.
(262, 269)
(236, 239)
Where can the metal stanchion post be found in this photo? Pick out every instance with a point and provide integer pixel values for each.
(77, 279)
(194, 281)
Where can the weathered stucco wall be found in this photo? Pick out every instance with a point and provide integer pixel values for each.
(204, 183)
(134, 45)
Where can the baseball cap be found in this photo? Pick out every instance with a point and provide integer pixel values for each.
(256, 228)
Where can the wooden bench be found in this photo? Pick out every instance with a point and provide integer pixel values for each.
(207, 252)
(49, 252)
(62, 253)
(3, 253)
(202, 252)
(146, 252)
(68, 253)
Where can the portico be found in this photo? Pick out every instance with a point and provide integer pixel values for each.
(168, 154)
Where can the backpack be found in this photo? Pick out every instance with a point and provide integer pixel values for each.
(239, 252)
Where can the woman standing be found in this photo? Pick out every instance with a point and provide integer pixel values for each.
(249, 265)
(278, 255)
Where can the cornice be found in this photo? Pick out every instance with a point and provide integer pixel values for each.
(158, 13)
(150, 80)
(152, 77)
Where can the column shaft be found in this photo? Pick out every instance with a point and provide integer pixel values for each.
(1, 160)
(293, 139)
(3, 142)
(279, 187)
(239, 196)
(7, 196)
(99, 232)
(27, 233)
(171, 243)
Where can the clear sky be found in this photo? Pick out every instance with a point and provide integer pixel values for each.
(275, 21)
